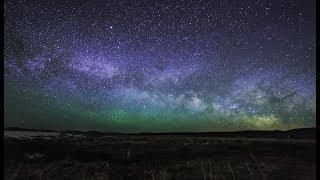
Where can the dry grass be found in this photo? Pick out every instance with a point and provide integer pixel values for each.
(160, 159)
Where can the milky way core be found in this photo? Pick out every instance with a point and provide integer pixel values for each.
(133, 66)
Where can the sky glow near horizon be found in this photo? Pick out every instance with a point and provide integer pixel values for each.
(132, 66)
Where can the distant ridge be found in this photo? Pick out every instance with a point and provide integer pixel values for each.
(293, 133)
(27, 129)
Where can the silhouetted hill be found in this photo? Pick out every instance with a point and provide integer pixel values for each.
(293, 133)
(27, 129)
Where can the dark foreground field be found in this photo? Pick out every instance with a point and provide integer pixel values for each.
(176, 156)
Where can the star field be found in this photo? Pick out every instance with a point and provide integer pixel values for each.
(132, 66)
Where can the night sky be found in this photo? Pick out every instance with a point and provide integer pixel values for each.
(133, 66)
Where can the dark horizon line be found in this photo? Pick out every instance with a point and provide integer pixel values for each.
(155, 133)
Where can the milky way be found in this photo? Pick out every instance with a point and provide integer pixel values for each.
(132, 66)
